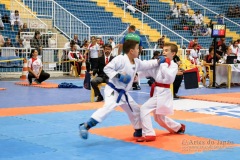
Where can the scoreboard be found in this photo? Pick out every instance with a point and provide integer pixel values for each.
(218, 30)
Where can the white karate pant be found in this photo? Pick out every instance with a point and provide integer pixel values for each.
(110, 104)
(164, 121)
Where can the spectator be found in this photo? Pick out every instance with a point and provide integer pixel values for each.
(140, 5)
(114, 52)
(220, 19)
(179, 77)
(174, 6)
(15, 19)
(146, 7)
(1, 23)
(5, 18)
(76, 40)
(161, 42)
(207, 31)
(35, 69)
(235, 49)
(185, 8)
(19, 45)
(93, 51)
(221, 46)
(100, 42)
(8, 43)
(101, 76)
(192, 42)
(227, 53)
(36, 42)
(231, 11)
(237, 11)
(196, 30)
(176, 12)
(197, 18)
(77, 57)
(2, 41)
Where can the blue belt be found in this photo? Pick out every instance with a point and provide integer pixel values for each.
(120, 92)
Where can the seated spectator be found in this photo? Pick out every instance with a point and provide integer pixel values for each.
(237, 11)
(220, 19)
(36, 42)
(227, 53)
(185, 8)
(194, 55)
(77, 57)
(173, 7)
(1, 23)
(101, 76)
(35, 69)
(15, 19)
(176, 12)
(8, 43)
(196, 30)
(76, 40)
(2, 41)
(209, 57)
(23, 29)
(161, 42)
(221, 46)
(231, 11)
(146, 6)
(235, 49)
(20, 44)
(142, 5)
(207, 31)
(5, 18)
(198, 18)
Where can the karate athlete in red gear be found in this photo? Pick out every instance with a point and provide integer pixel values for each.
(161, 101)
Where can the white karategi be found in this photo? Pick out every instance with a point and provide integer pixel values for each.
(161, 103)
(194, 56)
(121, 64)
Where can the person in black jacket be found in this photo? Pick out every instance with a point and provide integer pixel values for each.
(101, 76)
(179, 77)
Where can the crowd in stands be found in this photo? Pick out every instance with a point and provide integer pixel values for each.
(233, 11)
(141, 5)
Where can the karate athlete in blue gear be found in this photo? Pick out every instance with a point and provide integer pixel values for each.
(121, 71)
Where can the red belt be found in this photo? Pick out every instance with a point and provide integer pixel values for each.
(158, 85)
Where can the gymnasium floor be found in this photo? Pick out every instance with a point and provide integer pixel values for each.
(42, 124)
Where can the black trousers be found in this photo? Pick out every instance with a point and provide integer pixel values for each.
(78, 65)
(43, 76)
(94, 63)
(95, 82)
(177, 82)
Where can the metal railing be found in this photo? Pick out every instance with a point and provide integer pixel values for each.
(207, 10)
(145, 19)
(62, 19)
(54, 59)
(27, 16)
